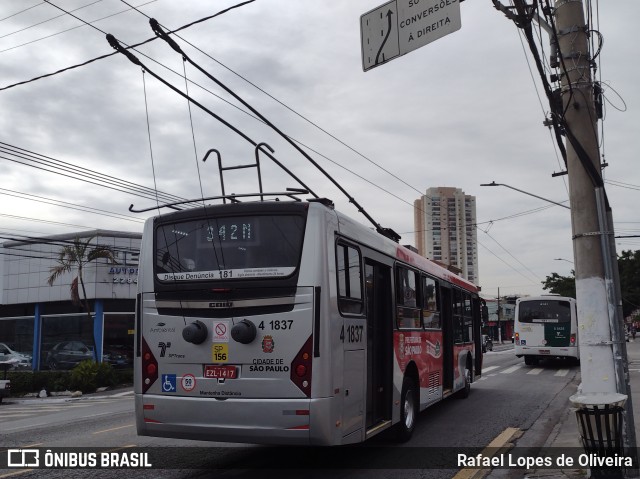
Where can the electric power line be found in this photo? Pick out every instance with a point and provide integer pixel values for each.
(49, 164)
(48, 20)
(64, 204)
(21, 11)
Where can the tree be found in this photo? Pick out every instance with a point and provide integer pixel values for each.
(629, 268)
(75, 257)
(562, 285)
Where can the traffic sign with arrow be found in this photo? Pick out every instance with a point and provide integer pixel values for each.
(400, 26)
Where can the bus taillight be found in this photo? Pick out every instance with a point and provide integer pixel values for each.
(517, 338)
(301, 368)
(573, 339)
(149, 367)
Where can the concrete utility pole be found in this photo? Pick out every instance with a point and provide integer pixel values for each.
(602, 347)
(579, 112)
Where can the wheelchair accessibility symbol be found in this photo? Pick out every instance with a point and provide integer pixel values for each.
(169, 383)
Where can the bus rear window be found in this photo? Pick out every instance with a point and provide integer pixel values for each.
(228, 247)
(544, 312)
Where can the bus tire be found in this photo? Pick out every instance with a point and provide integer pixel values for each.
(408, 410)
(466, 390)
(530, 360)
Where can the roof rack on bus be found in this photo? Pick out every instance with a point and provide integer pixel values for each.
(260, 147)
(291, 193)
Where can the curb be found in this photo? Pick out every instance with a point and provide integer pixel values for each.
(501, 442)
(68, 396)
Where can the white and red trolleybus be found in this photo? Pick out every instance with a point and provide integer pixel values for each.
(286, 322)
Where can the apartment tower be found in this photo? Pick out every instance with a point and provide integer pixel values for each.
(445, 229)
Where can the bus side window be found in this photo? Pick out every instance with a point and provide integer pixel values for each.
(430, 303)
(467, 319)
(349, 269)
(407, 311)
(458, 327)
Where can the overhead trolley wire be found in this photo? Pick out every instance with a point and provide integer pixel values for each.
(331, 135)
(102, 57)
(68, 29)
(229, 69)
(347, 146)
(339, 142)
(507, 264)
(164, 35)
(64, 204)
(21, 11)
(306, 119)
(49, 19)
(510, 254)
(63, 168)
(179, 29)
(38, 220)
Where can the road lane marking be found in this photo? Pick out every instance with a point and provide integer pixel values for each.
(490, 368)
(22, 471)
(535, 371)
(504, 351)
(114, 429)
(562, 372)
(511, 369)
(126, 393)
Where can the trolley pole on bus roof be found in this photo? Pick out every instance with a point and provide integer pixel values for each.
(603, 361)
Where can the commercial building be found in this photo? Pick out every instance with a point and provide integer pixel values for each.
(499, 325)
(42, 322)
(445, 229)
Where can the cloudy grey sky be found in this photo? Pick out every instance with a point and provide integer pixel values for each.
(464, 110)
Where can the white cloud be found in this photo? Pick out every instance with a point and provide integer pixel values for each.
(458, 112)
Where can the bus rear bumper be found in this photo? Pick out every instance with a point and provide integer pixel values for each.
(542, 352)
(257, 421)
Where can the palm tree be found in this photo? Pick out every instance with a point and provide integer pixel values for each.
(72, 258)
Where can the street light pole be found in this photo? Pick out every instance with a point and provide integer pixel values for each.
(493, 183)
(562, 259)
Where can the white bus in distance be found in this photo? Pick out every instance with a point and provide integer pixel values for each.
(546, 327)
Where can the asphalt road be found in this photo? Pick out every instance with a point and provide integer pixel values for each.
(509, 394)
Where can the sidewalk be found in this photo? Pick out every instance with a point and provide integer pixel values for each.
(66, 396)
(566, 435)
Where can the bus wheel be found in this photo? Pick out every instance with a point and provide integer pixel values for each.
(530, 361)
(408, 410)
(464, 392)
